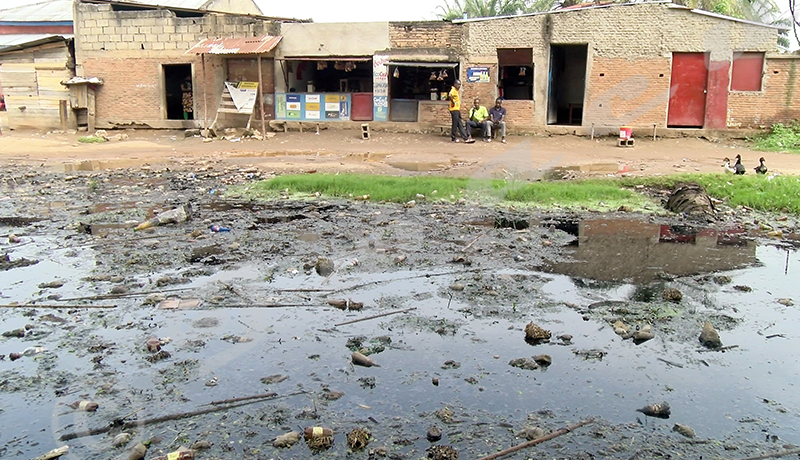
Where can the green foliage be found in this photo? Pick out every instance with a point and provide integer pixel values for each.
(379, 188)
(759, 192)
(92, 140)
(764, 193)
(781, 138)
(587, 193)
(455, 9)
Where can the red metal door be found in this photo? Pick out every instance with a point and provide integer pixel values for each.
(362, 107)
(687, 96)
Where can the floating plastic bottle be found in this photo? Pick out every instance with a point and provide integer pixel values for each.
(173, 216)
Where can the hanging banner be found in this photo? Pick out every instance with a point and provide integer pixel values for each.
(380, 88)
(315, 107)
(243, 94)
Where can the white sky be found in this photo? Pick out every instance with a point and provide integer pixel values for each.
(358, 10)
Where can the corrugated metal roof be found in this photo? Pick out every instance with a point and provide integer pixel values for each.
(29, 40)
(251, 45)
(44, 11)
(187, 4)
(23, 39)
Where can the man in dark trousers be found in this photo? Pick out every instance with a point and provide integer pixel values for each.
(457, 127)
(497, 117)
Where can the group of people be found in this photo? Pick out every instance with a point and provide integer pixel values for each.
(479, 118)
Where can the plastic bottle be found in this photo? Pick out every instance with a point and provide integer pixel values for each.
(217, 228)
(179, 214)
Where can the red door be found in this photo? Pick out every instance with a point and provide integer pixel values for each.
(687, 95)
(362, 107)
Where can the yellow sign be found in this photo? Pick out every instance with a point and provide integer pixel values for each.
(248, 85)
(312, 105)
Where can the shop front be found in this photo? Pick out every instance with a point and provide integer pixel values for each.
(418, 88)
(325, 89)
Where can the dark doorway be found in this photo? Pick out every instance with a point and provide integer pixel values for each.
(687, 92)
(567, 84)
(174, 77)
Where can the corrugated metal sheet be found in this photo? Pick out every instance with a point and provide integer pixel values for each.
(187, 4)
(20, 40)
(252, 45)
(43, 11)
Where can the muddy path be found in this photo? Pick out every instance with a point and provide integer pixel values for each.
(256, 310)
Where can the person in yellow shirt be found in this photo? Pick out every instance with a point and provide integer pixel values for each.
(479, 118)
(457, 128)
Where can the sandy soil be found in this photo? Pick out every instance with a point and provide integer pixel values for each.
(395, 153)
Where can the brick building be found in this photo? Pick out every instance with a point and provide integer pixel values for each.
(141, 51)
(596, 67)
(641, 64)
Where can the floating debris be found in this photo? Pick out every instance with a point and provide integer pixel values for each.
(534, 333)
(524, 363)
(621, 328)
(358, 438)
(286, 440)
(684, 430)
(121, 440)
(360, 359)
(530, 433)
(137, 452)
(442, 453)
(434, 433)
(644, 334)
(672, 295)
(709, 337)
(86, 406)
(660, 410)
(543, 360)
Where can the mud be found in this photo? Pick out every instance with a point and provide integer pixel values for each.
(246, 312)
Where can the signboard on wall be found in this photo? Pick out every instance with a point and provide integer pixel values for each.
(243, 94)
(380, 88)
(312, 106)
(478, 74)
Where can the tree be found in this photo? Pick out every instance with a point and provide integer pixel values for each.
(456, 9)
(763, 11)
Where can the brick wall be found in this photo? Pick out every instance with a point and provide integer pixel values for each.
(127, 48)
(623, 92)
(631, 45)
(427, 34)
(779, 101)
(434, 112)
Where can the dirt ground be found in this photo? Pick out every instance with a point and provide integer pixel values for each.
(394, 153)
(440, 295)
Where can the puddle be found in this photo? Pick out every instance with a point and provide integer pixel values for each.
(618, 250)
(415, 165)
(98, 165)
(438, 306)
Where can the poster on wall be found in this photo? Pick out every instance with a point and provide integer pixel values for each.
(243, 94)
(478, 74)
(312, 107)
(380, 88)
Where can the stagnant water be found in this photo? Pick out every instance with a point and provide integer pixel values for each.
(746, 392)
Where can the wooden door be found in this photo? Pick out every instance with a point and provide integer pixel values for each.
(688, 87)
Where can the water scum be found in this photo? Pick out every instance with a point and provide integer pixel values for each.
(245, 313)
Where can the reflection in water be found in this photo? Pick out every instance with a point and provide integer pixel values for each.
(620, 249)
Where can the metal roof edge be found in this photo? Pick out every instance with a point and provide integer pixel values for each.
(539, 13)
(731, 18)
(41, 41)
(167, 7)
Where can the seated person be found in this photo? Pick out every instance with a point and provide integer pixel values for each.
(497, 118)
(479, 118)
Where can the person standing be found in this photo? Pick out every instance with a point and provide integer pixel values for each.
(457, 128)
(479, 118)
(186, 98)
(497, 118)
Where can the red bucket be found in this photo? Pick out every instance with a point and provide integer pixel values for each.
(625, 132)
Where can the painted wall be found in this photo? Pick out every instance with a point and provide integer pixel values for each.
(333, 39)
(778, 101)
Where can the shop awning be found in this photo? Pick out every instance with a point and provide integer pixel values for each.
(326, 58)
(249, 45)
(446, 65)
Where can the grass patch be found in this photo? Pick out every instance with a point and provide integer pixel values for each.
(379, 188)
(755, 191)
(782, 138)
(586, 193)
(91, 140)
